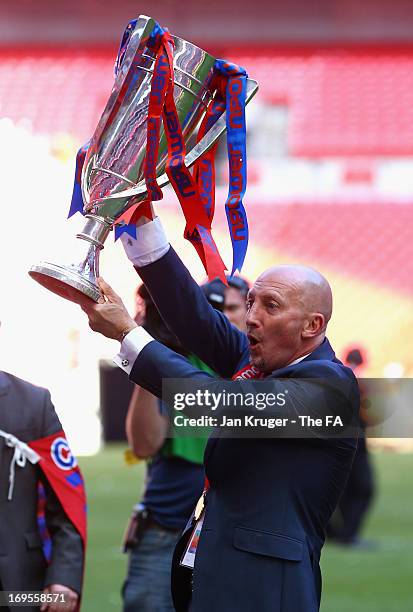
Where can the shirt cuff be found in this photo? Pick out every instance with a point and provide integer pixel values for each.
(150, 245)
(130, 348)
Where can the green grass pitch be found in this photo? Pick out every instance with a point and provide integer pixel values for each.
(379, 581)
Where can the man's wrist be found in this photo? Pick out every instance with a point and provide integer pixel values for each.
(133, 343)
(125, 332)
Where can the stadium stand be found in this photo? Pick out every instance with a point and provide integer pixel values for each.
(341, 102)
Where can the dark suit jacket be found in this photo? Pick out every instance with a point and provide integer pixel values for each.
(27, 412)
(269, 499)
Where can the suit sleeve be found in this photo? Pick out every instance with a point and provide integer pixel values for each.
(66, 566)
(201, 329)
(156, 362)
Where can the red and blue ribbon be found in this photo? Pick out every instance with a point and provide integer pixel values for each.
(235, 96)
(76, 204)
(198, 221)
(204, 168)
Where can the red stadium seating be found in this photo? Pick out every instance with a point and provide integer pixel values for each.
(341, 102)
(56, 93)
(370, 242)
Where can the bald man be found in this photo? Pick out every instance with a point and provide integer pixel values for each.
(268, 500)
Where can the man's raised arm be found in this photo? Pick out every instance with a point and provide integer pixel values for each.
(200, 328)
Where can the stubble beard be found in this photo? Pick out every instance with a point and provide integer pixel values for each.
(258, 363)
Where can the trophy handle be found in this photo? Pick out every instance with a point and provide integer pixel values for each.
(199, 149)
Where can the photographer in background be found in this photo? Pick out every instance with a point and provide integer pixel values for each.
(346, 523)
(235, 299)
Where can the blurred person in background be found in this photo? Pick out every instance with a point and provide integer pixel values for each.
(235, 299)
(235, 306)
(174, 480)
(347, 521)
(42, 501)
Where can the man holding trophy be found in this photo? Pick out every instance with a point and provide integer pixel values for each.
(260, 525)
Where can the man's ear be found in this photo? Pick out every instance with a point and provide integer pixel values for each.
(313, 325)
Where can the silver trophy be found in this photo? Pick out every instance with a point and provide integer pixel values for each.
(112, 176)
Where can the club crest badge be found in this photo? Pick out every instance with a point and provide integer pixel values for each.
(62, 455)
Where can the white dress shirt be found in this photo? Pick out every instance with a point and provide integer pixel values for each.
(150, 245)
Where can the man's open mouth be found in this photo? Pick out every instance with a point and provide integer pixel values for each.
(252, 340)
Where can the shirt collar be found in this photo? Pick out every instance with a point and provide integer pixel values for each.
(298, 360)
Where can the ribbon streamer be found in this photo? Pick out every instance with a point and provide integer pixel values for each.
(237, 158)
(198, 223)
(76, 204)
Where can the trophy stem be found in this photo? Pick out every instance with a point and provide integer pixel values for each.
(77, 281)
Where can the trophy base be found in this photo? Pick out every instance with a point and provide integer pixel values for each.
(65, 282)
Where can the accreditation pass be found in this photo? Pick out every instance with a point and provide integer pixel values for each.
(188, 559)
